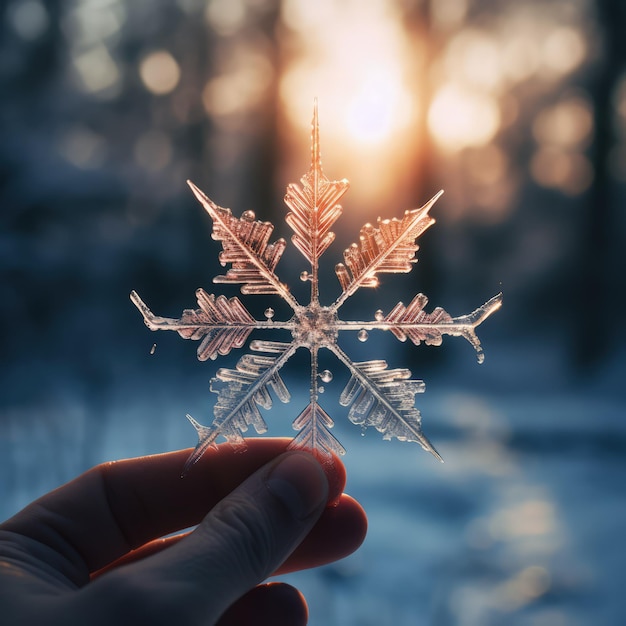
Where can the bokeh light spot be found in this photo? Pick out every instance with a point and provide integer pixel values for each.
(97, 69)
(520, 58)
(225, 17)
(570, 172)
(568, 123)
(526, 586)
(530, 518)
(242, 85)
(83, 148)
(473, 57)
(159, 72)
(29, 18)
(460, 117)
(564, 50)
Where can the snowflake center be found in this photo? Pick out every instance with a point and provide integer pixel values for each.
(315, 325)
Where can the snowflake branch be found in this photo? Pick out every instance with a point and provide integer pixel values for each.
(314, 424)
(238, 393)
(245, 243)
(411, 322)
(221, 323)
(390, 248)
(314, 209)
(384, 399)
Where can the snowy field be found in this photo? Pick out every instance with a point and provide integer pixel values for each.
(523, 525)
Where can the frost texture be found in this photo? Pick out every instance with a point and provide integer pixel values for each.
(377, 396)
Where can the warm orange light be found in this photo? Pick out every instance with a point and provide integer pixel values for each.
(225, 17)
(461, 117)
(360, 63)
(355, 64)
(568, 123)
(473, 57)
(379, 108)
(564, 50)
(556, 168)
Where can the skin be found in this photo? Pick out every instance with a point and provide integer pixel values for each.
(93, 552)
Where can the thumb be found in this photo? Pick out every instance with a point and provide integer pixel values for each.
(241, 541)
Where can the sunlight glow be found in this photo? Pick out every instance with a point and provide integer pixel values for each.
(360, 62)
(473, 57)
(378, 108)
(355, 64)
(460, 117)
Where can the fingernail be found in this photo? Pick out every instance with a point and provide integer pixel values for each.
(299, 482)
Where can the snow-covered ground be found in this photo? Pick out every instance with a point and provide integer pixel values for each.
(523, 525)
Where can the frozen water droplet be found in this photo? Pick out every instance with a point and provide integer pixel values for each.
(326, 376)
(379, 315)
(304, 276)
(321, 389)
(153, 349)
(269, 313)
(248, 216)
(363, 335)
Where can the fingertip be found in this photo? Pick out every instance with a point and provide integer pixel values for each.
(335, 472)
(260, 450)
(297, 480)
(272, 604)
(339, 532)
(353, 516)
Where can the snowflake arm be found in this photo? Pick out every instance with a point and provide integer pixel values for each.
(412, 322)
(314, 209)
(390, 248)
(239, 391)
(314, 424)
(384, 399)
(221, 323)
(246, 246)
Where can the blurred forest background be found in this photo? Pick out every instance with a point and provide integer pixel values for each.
(517, 109)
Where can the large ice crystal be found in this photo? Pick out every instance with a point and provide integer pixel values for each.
(377, 396)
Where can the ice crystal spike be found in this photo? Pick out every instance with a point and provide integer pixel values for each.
(377, 396)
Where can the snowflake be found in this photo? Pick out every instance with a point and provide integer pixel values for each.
(377, 396)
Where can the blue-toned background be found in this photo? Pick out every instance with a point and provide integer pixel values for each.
(516, 109)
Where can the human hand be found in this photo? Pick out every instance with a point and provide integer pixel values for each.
(92, 551)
